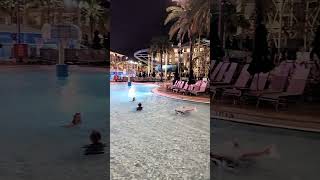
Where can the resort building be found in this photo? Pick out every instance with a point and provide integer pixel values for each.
(290, 23)
(124, 67)
(177, 57)
(30, 22)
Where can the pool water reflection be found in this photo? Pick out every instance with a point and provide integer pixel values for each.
(156, 143)
(34, 105)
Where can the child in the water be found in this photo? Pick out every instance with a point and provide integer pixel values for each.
(95, 137)
(96, 147)
(75, 121)
(139, 108)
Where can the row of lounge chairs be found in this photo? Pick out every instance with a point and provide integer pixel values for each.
(278, 86)
(200, 87)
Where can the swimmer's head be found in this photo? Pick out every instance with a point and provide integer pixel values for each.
(95, 136)
(235, 143)
(139, 104)
(77, 115)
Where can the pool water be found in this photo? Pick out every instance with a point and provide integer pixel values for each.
(34, 105)
(296, 154)
(156, 143)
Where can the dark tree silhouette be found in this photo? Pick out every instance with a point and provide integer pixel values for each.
(96, 44)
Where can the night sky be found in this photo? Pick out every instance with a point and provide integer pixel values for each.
(135, 22)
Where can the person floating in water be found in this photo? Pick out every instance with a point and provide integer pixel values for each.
(96, 147)
(133, 99)
(75, 121)
(184, 110)
(238, 156)
(139, 108)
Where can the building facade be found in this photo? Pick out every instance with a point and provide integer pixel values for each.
(290, 23)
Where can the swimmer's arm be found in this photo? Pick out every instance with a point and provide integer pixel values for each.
(91, 145)
(254, 154)
(220, 157)
(68, 126)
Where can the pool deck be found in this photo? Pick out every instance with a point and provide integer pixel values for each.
(161, 90)
(72, 67)
(299, 117)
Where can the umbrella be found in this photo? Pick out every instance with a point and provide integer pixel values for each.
(260, 60)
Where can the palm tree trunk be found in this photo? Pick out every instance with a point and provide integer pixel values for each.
(161, 74)
(199, 57)
(48, 14)
(190, 61)
(259, 11)
(91, 27)
(153, 57)
(166, 65)
(12, 15)
(259, 19)
(79, 15)
(148, 67)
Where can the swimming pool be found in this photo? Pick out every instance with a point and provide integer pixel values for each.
(297, 156)
(156, 143)
(34, 105)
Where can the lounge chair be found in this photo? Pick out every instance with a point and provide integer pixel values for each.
(284, 69)
(277, 84)
(278, 81)
(295, 88)
(227, 76)
(202, 89)
(241, 83)
(171, 86)
(180, 86)
(215, 71)
(221, 73)
(258, 83)
(213, 62)
(186, 91)
(185, 86)
(195, 86)
(177, 84)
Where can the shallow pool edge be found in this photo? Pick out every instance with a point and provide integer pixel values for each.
(252, 122)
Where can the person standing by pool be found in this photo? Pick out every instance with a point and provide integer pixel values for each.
(132, 93)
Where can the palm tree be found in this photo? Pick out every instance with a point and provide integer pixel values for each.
(48, 5)
(93, 12)
(160, 45)
(182, 26)
(201, 16)
(191, 19)
(231, 18)
(9, 6)
(260, 59)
